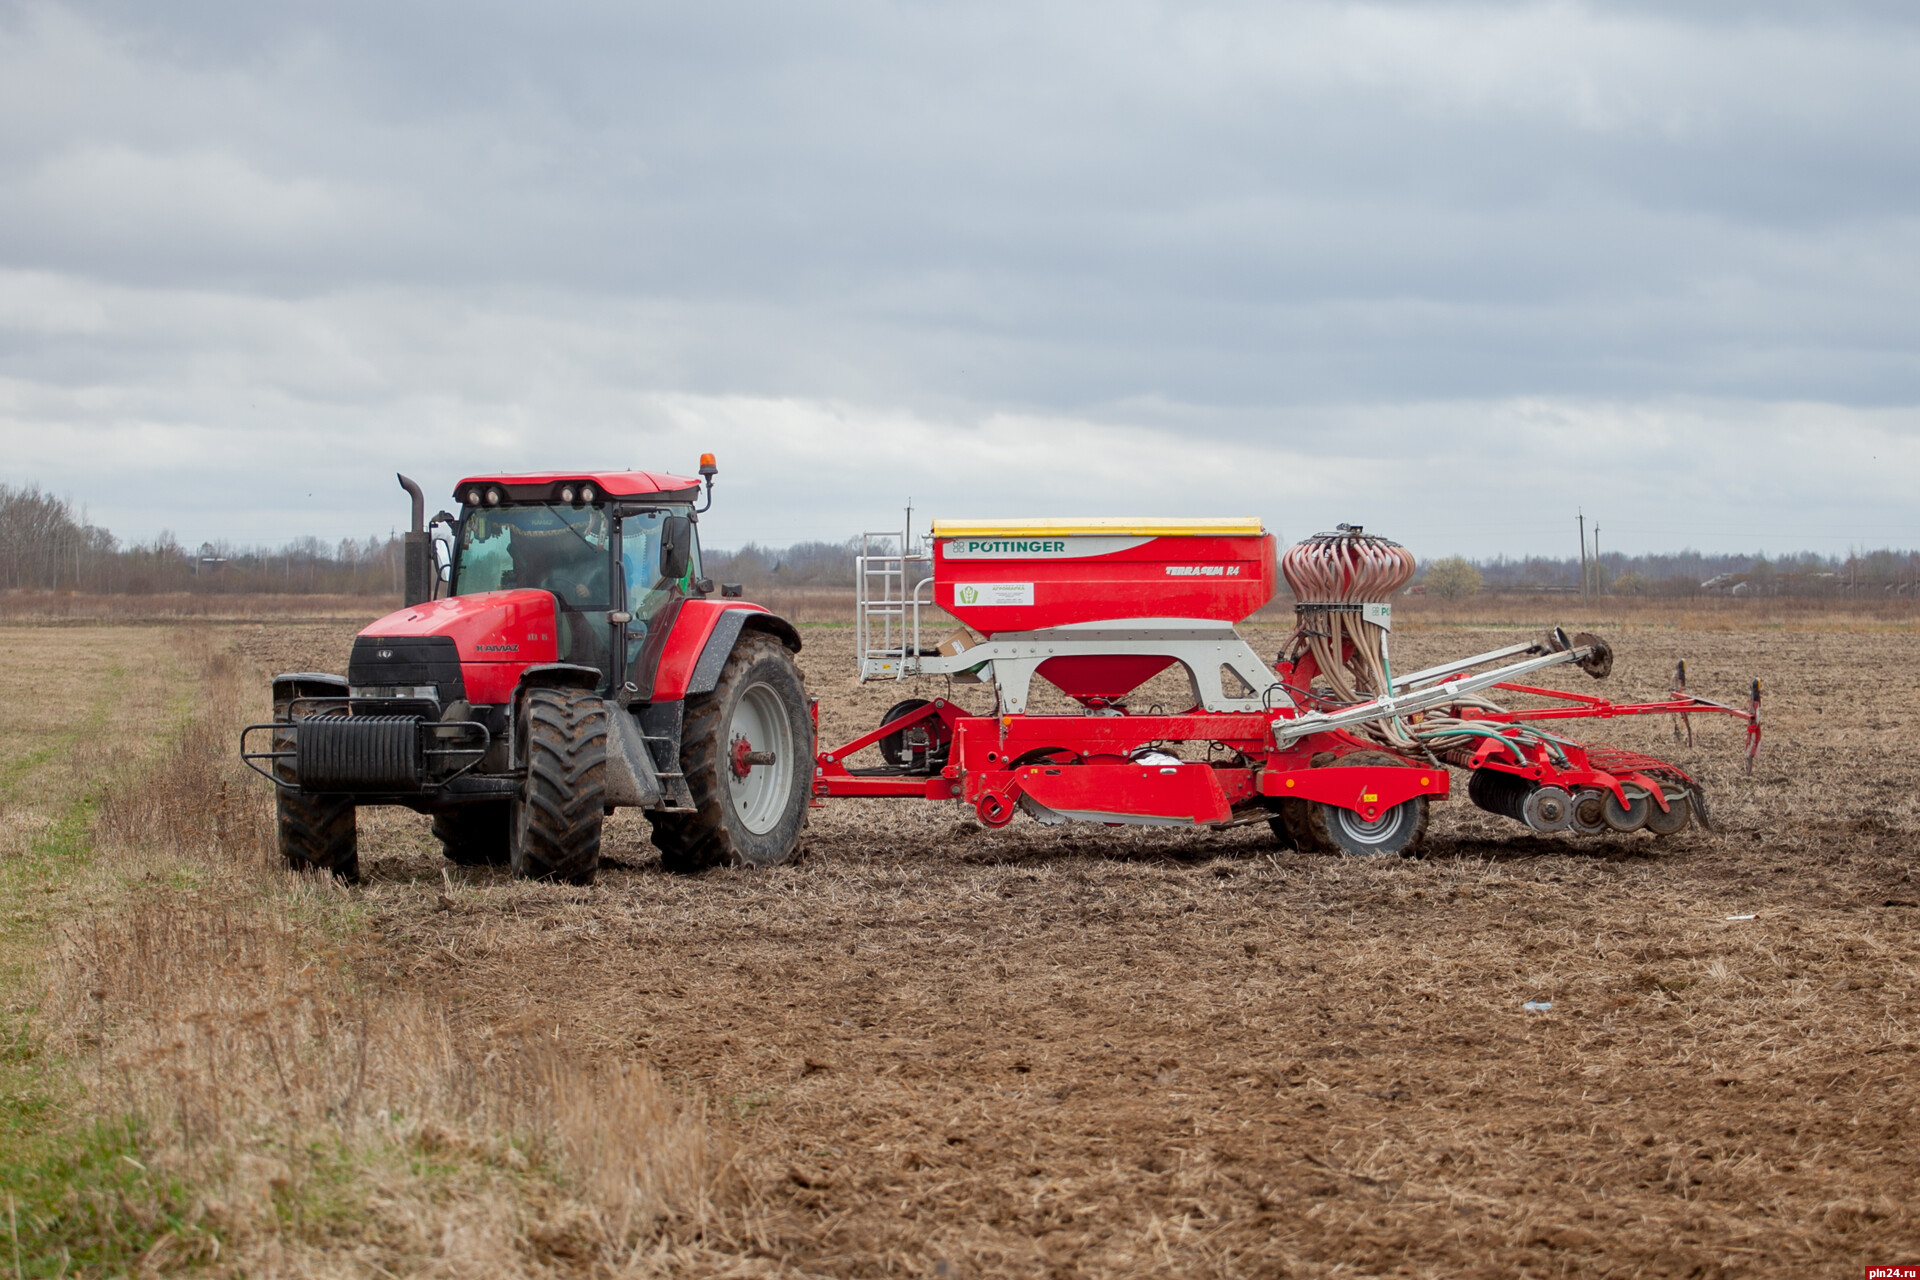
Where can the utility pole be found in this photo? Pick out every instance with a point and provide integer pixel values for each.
(1599, 573)
(1583, 556)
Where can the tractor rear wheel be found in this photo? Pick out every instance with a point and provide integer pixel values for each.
(476, 835)
(554, 827)
(747, 753)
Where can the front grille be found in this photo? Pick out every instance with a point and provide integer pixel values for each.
(407, 662)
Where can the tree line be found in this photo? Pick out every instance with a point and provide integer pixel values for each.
(1886, 572)
(47, 544)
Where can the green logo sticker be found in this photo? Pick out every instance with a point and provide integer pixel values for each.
(969, 595)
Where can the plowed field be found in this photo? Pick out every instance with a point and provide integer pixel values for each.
(1083, 1051)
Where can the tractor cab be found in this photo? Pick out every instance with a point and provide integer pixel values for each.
(617, 559)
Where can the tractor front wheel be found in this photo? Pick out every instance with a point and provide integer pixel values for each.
(747, 753)
(553, 831)
(317, 833)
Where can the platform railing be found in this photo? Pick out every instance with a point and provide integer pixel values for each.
(887, 604)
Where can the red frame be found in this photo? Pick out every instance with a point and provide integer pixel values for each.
(1081, 765)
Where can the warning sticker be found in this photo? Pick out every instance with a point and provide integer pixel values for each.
(965, 593)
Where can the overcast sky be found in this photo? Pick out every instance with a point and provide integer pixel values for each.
(1449, 270)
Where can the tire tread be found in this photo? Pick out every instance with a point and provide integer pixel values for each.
(564, 798)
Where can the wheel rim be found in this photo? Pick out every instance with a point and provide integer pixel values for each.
(1367, 836)
(760, 721)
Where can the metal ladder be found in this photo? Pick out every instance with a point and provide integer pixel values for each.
(892, 581)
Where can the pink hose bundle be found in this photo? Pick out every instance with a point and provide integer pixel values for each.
(1333, 576)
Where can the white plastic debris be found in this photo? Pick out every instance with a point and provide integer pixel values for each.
(1745, 917)
(1538, 1006)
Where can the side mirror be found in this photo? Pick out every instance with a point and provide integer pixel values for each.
(703, 585)
(732, 590)
(676, 547)
(443, 558)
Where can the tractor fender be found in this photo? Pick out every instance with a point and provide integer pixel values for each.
(560, 675)
(704, 634)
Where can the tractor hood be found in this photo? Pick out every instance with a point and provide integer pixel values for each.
(495, 635)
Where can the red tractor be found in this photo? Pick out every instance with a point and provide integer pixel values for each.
(562, 656)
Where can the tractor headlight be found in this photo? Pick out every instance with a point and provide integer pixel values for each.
(566, 493)
(586, 493)
(473, 497)
(493, 497)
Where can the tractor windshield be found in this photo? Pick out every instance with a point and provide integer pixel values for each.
(565, 550)
(549, 547)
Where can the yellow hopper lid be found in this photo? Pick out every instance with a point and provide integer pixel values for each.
(1112, 526)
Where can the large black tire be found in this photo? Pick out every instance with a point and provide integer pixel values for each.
(554, 830)
(316, 833)
(753, 820)
(476, 835)
(1397, 832)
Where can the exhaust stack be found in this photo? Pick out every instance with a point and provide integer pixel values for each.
(417, 554)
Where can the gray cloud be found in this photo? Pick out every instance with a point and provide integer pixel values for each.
(264, 250)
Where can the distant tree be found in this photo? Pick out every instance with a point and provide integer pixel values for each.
(1452, 578)
(1630, 584)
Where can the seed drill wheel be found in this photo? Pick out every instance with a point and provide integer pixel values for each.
(316, 832)
(1288, 824)
(747, 753)
(1395, 832)
(899, 751)
(476, 835)
(553, 830)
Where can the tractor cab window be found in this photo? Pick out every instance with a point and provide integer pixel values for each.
(645, 556)
(563, 550)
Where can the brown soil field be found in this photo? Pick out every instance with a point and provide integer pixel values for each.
(938, 1050)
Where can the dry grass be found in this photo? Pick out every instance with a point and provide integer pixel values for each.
(297, 1114)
